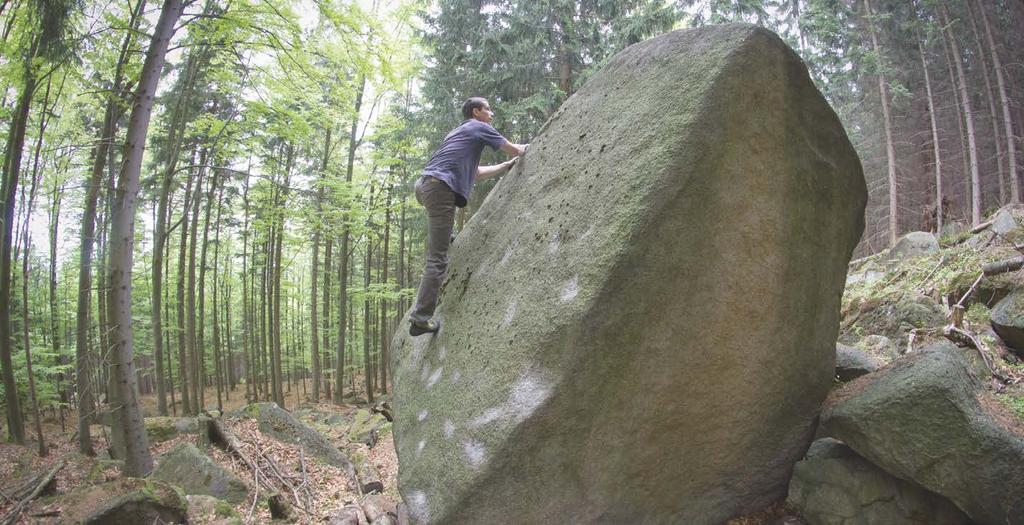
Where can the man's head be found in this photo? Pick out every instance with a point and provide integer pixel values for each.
(477, 108)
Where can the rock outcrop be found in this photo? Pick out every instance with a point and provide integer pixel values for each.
(639, 324)
(926, 418)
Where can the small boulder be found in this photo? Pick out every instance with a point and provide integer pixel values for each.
(1008, 320)
(366, 427)
(1004, 222)
(914, 244)
(879, 347)
(375, 506)
(124, 500)
(209, 510)
(189, 468)
(348, 515)
(852, 362)
(926, 418)
(835, 486)
(160, 429)
(982, 239)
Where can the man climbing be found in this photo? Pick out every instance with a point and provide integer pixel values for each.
(445, 185)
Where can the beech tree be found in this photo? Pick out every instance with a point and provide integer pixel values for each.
(128, 419)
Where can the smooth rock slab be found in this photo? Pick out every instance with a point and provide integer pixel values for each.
(835, 486)
(639, 323)
(926, 419)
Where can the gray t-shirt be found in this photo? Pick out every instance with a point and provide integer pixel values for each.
(456, 161)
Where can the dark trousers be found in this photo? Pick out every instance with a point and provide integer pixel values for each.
(439, 200)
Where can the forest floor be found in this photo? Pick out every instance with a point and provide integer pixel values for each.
(317, 490)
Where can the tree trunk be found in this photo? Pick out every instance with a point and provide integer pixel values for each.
(276, 283)
(250, 377)
(961, 134)
(55, 331)
(183, 351)
(965, 102)
(201, 285)
(167, 336)
(190, 291)
(8, 190)
(160, 232)
(216, 317)
(27, 252)
(314, 298)
(1011, 147)
(384, 302)
(935, 138)
(353, 143)
(138, 462)
(326, 322)
(368, 374)
(401, 263)
(991, 105)
(890, 151)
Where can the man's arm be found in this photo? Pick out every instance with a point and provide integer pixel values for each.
(486, 172)
(513, 149)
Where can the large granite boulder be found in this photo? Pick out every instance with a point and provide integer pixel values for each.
(639, 323)
(926, 418)
(835, 486)
(188, 467)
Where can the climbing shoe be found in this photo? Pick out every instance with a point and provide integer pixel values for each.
(421, 327)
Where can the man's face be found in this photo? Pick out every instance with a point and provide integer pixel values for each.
(484, 114)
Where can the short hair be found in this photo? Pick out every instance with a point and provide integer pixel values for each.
(470, 104)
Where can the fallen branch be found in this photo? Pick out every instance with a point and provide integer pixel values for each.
(970, 290)
(964, 338)
(942, 261)
(15, 512)
(1004, 266)
(982, 226)
(224, 438)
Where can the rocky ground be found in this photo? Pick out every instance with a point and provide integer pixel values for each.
(295, 465)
